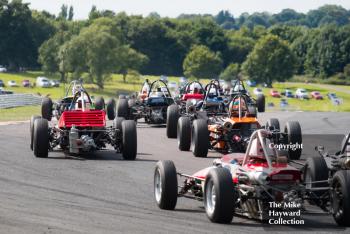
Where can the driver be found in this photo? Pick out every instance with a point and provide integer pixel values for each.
(234, 106)
(195, 88)
(79, 103)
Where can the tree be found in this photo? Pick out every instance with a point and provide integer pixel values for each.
(71, 13)
(271, 60)
(231, 72)
(130, 59)
(64, 12)
(202, 63)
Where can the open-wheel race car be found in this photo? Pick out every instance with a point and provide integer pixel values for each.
(82, 128)
(151, 106)
(247, 183)
(239, 89)
(196, 106)
(231, 132)
(50, 109)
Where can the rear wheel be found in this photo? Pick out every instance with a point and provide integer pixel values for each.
(129, 139)
(41, 138)
(293, 131)
(171, 121)
(123, 108)
(32, 120)
(200, 138)
(274, 123)
(260, 103)
(111, 109)
(219, 196)
(99, 103)
(315, 170)
(184, 133)
(341, 197)
(46, 108)
(165, 185)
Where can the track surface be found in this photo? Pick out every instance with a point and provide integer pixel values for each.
(104, 194)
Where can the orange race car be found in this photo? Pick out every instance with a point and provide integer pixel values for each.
(231, 133)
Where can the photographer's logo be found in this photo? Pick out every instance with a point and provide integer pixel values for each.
(289, 146)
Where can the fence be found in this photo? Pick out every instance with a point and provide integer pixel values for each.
(15, 100)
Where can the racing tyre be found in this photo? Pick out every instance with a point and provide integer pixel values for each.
(294, 136)
(41, 138)
(129, 139)
(123, 108)
(165, 185)
(315, 170)
(184, 133)
(171, 121)
(341, 197)
(200, 138)
(219, 196)
(99, 103)
(46, 108)
(111, 109)
(32, 120)
(260, 103)
(273, 122)
(117, 124)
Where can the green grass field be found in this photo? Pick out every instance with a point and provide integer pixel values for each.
(115, 86)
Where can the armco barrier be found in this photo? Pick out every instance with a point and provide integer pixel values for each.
(15, 100)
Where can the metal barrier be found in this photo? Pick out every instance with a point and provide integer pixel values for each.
(16, 100)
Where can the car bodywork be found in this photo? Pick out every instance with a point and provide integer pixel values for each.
(246, 183)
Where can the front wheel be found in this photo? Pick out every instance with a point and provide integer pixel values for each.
(294, 137)
(341, 197)
(41, 138)
(129, 140)
(99, 103)
(165, 185)
(200, 138)
(184, 133)
(46, 108)
(111, 109)
(260, 103)
(219, 196)
(32, 120)
(171, 121)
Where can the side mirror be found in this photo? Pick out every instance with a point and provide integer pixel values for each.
(319, 148)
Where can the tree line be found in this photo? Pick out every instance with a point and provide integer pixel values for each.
(266, 47)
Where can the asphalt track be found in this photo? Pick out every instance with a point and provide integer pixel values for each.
(101, 193)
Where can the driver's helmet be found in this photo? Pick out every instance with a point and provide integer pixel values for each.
(157, 93)
(76, 88)
(79, 103)
(195, 88)
(212, 91)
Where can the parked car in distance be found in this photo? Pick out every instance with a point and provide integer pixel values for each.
(288, 93)
(26, 83)
(2, 91)
(316, 95)
(275, 93)
(332, 96)
(2, 84)
(251, 83)
(301, 94)
(55, 83)
(43, 82)
(3, 69)
(12, 83)
(257, 91)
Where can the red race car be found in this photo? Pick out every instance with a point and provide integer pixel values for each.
(317, 95)
(275, 93)
(81, 128)
(248, 183)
